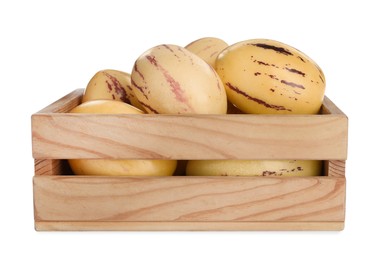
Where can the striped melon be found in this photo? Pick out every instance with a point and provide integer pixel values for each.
(269, 77)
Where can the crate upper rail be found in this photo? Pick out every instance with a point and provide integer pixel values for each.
(60, 135)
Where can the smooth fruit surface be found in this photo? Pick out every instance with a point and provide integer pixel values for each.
(269, 77)
(168, 79)
(111, 85)
(117, 167)
(207, 48)
(284, 168)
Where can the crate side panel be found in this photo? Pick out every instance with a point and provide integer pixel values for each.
(66, 136)
(186, 199)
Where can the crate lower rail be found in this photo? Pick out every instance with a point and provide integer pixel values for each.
(63, 201)
(181, 202)
(68, 202)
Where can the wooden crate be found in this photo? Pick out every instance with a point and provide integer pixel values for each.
(63, 201)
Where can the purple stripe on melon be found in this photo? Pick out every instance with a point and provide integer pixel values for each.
(299, 57)
(295, 71)
(272, 76)
(138, 71)
(262, 63)
(149, 107)
(265, 64)
(279, 50)
(207, 47)
(129, 87)
(219, 81)
(118, 88)
(171, 50)
(321, 78)
(175, 85)
(110, 88)
(139, 88)
(259, 101)
(292, 84)
(183, 51)
(212, 54)
(297, 92)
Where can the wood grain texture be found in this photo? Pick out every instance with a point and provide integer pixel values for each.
(67, 136)
(189, 199)
(64, 104)
(51, 167)
(187, 226)
(64, 202)
(335, 168)
(328, 107)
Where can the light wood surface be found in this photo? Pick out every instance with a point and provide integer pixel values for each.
(187, 226)
(67, 136)
(184, 198)
(50, 167)
(66, 202)
(329, 107)
(335, 168)
(64, 104)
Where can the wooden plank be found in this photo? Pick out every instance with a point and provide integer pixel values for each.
(187, 226)
(51, 167)
(57, 135)
(66, 136)
(335, 168)
(189, 199)
(64, 104)
(328, 107)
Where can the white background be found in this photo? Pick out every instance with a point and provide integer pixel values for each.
(49, 48)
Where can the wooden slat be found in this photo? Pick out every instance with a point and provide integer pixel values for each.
(50, 167)
(335, 168)
(58, 135)
(66, 136)
(186, 226)
(329, 107)
(64, 104)
(189, 199)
